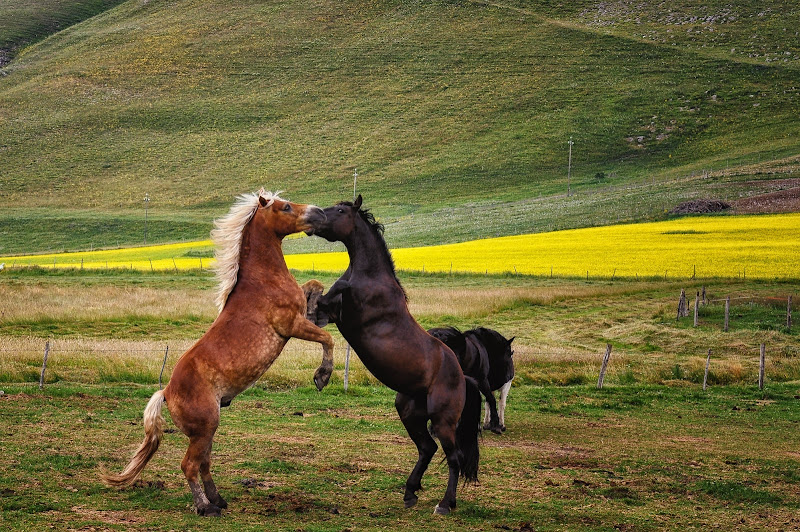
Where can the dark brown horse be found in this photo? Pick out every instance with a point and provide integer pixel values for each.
(486, 356)
(369, 306)
(261, 307)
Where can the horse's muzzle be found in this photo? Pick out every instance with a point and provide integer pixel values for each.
(314, 217)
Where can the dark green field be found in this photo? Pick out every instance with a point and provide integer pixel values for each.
(446, 109)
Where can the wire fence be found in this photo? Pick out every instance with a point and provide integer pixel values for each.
(51, 361)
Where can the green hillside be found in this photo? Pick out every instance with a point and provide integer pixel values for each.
(25, 22)
(455, 114)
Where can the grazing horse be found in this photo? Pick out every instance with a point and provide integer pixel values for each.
(370, 308)
(260, 308)
(485, 355)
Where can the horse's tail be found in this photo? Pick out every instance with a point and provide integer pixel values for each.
(468, 432)
(153, 430)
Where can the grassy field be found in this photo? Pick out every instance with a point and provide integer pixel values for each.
(650, 451)
(109, 322)
(441, 107)
(573, 458)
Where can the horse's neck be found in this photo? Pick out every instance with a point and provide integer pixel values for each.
(367, 252)
(261, 257)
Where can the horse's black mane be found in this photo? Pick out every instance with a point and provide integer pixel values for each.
(378, 229)
(367, 217)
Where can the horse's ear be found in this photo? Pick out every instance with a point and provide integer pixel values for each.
(358, 202)
(262, 201)
(511, 340)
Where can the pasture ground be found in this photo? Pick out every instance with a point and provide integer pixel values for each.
(650, 451)
(573, 458)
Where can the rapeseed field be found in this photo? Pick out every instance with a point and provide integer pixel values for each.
(762, 247)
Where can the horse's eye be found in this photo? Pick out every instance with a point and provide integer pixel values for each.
(341, 211)
(287, 207)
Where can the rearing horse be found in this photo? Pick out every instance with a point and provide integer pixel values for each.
(261, 307)
(369, 306)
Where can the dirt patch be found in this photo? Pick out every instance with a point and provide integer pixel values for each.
(691, 439)
(281, 503)
(701, 206)
(112, 517)
(785, 197)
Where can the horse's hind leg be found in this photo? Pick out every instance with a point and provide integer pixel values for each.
(445, 407)
(208, 484)
(415, 419)
(197, 463)
(446, 432)
(199, 420)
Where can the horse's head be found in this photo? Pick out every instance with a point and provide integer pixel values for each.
(285, 217)
(501, 352)
(340, 221)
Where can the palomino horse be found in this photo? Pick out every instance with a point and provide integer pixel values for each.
(369, 306)
(261, 307)
(486, 356)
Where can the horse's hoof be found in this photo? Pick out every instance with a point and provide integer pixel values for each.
(441, 511)
(408, 503)
(211, 510)
(222, 503)
(503, 428)
(321, 378)
(497, 429)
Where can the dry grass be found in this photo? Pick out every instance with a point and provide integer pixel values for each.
(55, 301)
(106, 332)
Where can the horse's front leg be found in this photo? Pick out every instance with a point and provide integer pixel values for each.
(491, 407)
(337, 288)
(305, 330)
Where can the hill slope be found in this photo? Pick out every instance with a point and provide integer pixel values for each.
(25, 22)
(440, 106)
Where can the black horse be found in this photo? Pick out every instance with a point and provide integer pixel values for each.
(370, 308)
(485, 355)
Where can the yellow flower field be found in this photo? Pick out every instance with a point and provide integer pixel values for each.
(765, 247)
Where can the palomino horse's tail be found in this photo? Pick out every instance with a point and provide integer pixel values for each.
(153, 430)
(468, 432)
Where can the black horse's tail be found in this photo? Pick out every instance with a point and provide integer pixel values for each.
(468, 432)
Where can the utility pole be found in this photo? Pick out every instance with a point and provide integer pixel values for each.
(347, 354)
(569, 169)
(146, 203)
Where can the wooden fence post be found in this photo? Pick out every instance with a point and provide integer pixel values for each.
(789, 313)
(704, 299)
(761, 368)
(727, 312)
(347, 368)
(682, 310)
(705, 376)
(163, 365)
(696, 305)
(603, 367)
(44, 364)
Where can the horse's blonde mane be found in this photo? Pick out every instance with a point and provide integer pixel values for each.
(227, 238)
